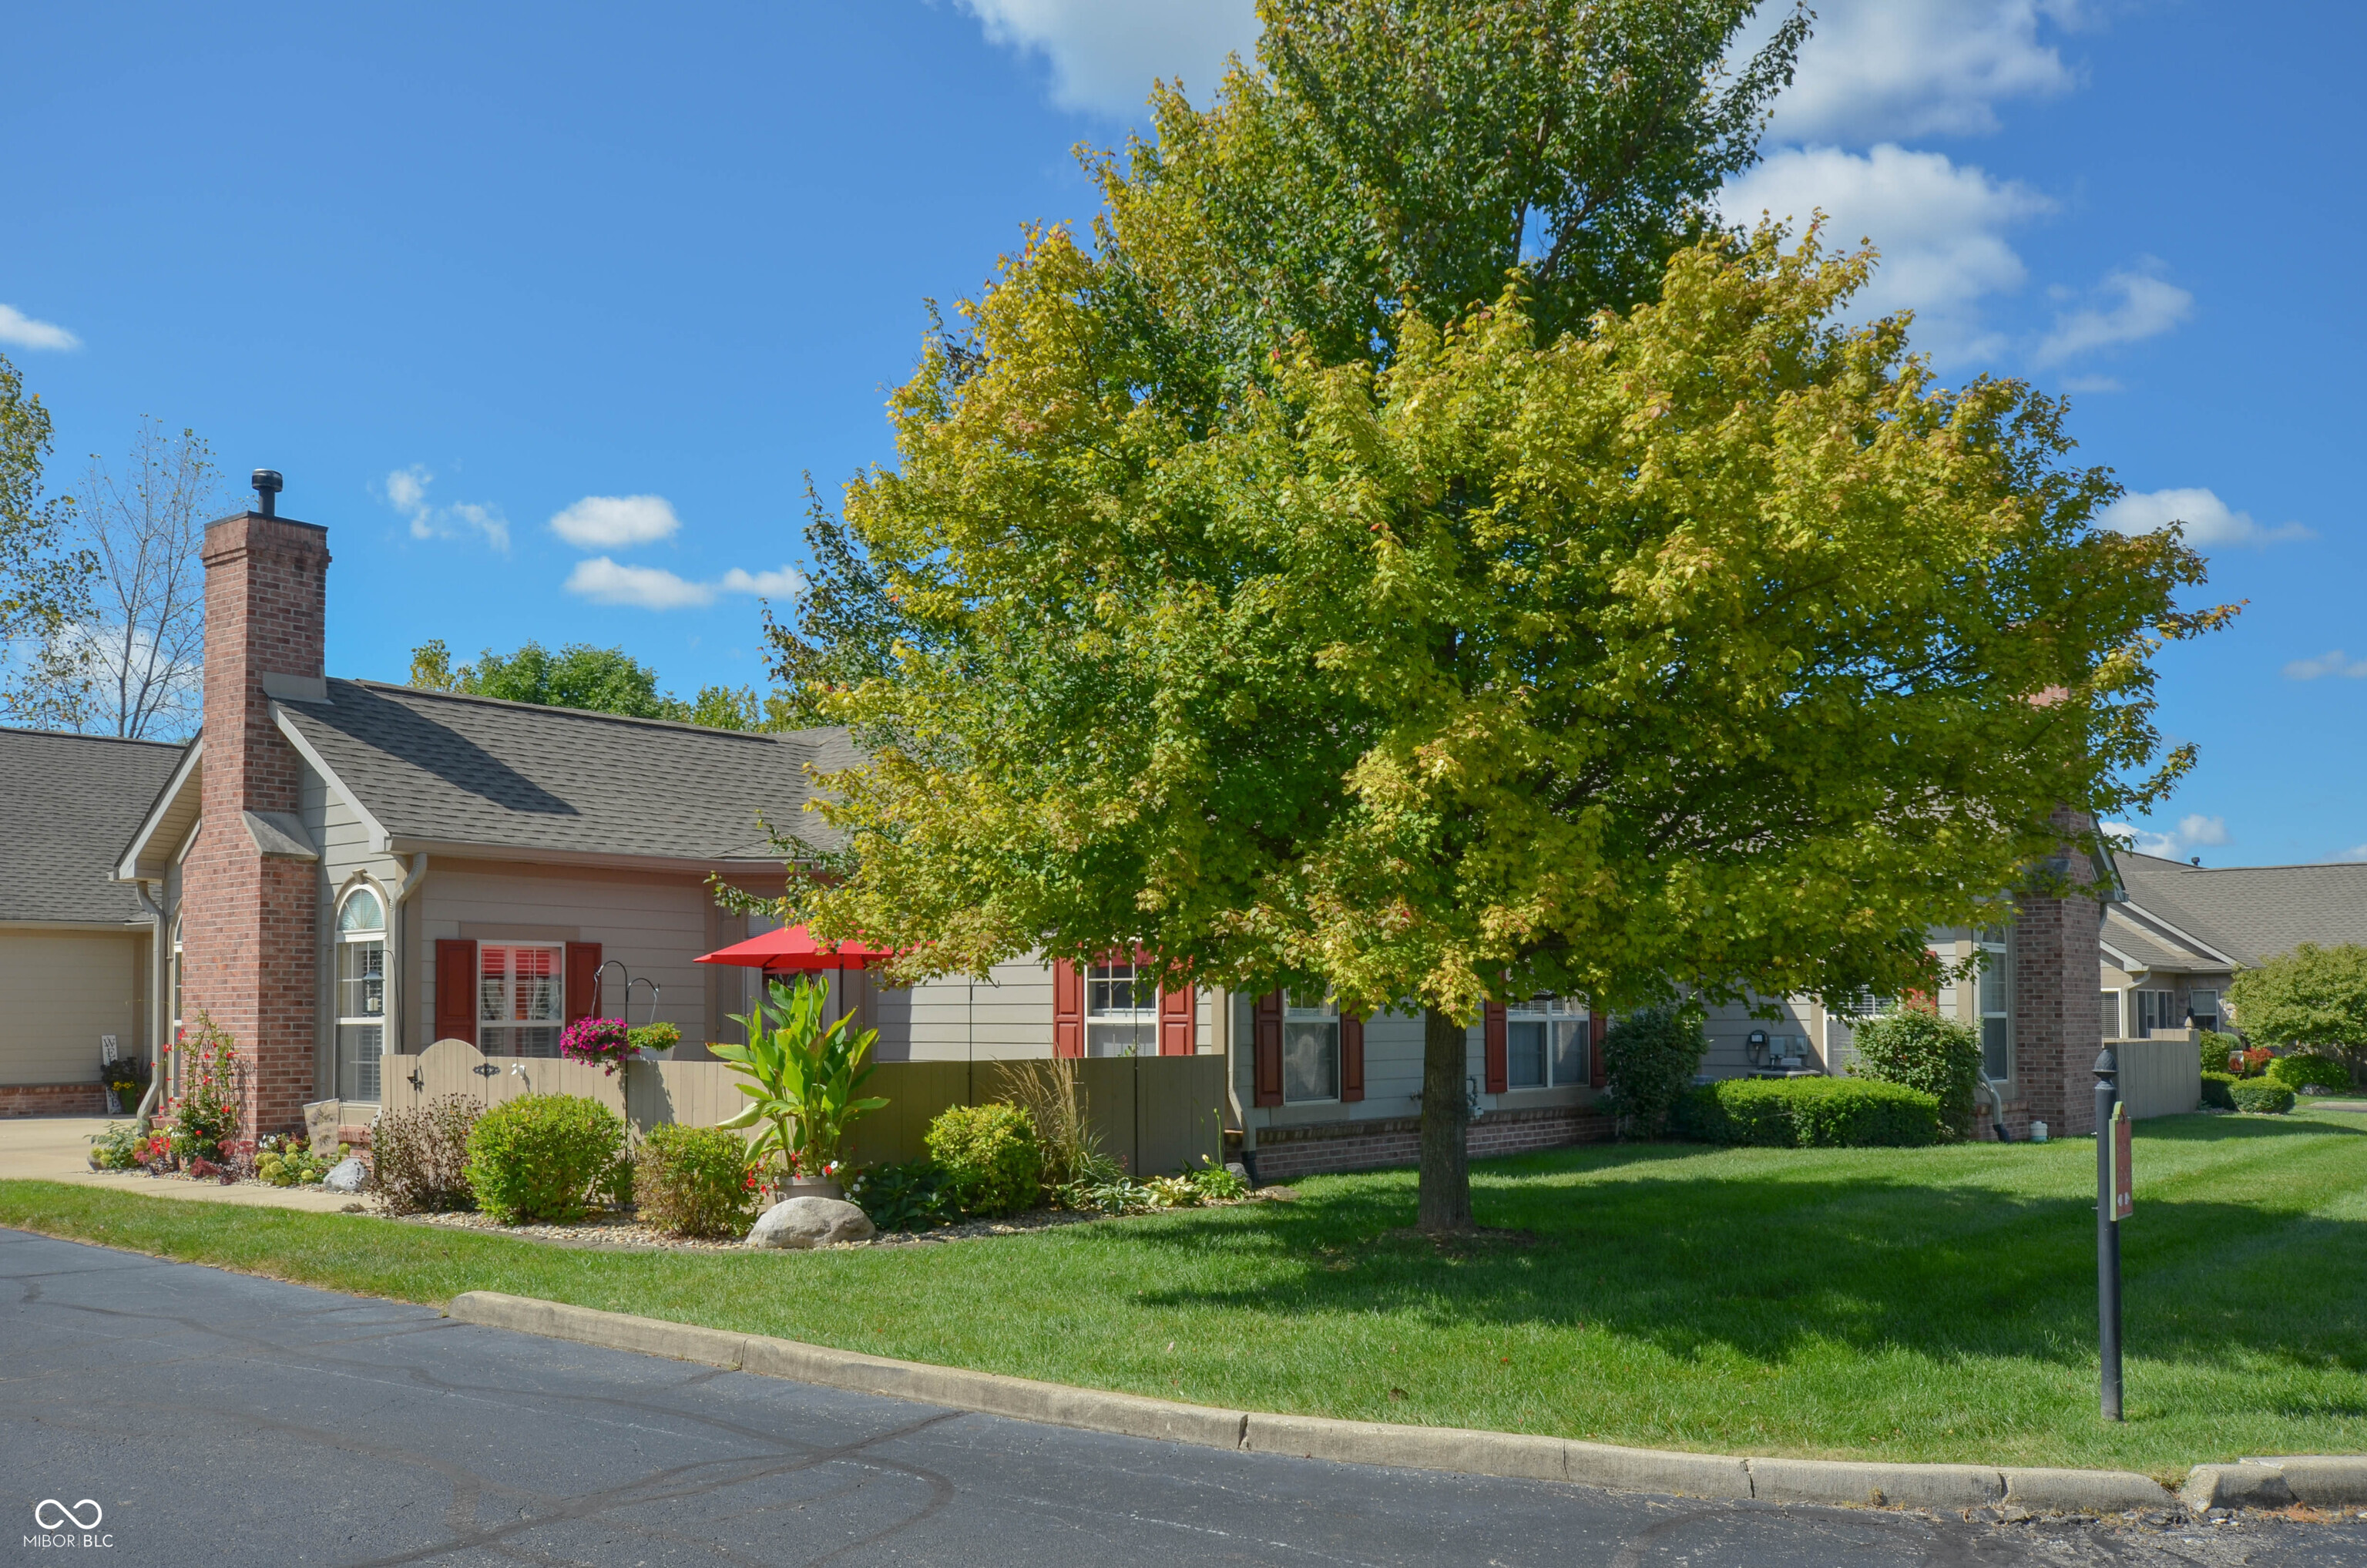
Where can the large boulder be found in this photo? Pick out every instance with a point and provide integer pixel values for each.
(348, 1174)
(801, 1222)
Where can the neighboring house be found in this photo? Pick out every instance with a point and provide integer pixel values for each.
(74, 947)
(2183, 932)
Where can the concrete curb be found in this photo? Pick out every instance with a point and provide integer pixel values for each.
(2320, 1481)
(1453, 1449)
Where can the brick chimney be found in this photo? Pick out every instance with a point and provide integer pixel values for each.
(250, 942)
(2059, 1023)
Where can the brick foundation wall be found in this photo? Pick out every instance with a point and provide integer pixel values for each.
(249, 944)
(1288, 1151)
(52, 1099)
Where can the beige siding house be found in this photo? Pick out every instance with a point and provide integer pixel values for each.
(76, 947)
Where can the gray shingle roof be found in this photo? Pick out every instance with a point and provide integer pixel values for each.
(439, 767)
(2252, 912)
(2129, 932)
(67, 805)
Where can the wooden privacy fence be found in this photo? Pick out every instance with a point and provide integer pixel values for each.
(1157, 1114)
(2160, 1076)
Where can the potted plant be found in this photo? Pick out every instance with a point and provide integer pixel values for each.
(606, 1041)
(655, 1041)
(802, 1080)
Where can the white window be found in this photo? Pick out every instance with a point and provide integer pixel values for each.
(2204, 1007)
(2156, 1010)
(519, 998)
(1121, 1015)
(1311, 1049)
(361, 995)
(1995, 1002)
(1547, 1043)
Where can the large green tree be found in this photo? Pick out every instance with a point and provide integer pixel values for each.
(2313, 996)
(1696, 644)
(44, 581)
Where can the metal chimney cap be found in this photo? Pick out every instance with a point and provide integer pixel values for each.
(268, 485)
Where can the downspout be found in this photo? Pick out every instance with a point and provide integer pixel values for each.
(158, 956)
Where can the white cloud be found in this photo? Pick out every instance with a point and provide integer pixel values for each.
(607, 582)
(2333, 662)
(2208, 520)
(406, 492)
(786, 584)
(2206, 832)
(2356, 852)
(2164, 844)
(1938, 224)
(2090, 384)
(1105, 53)
(603, 581)
(1879, 69)
(611, 522)
(2194, 831)
(2148, 306)
(24, 332)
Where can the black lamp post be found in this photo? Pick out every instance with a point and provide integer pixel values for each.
(2107, 1231)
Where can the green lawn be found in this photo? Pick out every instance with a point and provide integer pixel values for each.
(1902, 1304)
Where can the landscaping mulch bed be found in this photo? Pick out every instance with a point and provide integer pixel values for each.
(622, 1233)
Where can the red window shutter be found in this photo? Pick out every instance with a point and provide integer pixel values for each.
(1177, 1026)
(1351, 1056)
(1601, 1022)
(1266, 1050)
(456, 990)
(1067, 1009)
(1499, 1077)
(583, 980)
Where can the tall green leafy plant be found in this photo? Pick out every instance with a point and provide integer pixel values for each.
(803, 1077)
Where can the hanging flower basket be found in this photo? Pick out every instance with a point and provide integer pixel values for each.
(604, 1042)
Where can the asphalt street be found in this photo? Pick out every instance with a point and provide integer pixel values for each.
(209, 1417)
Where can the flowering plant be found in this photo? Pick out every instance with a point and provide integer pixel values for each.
(602, 1040)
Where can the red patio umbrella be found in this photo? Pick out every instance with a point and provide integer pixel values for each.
(793, 948)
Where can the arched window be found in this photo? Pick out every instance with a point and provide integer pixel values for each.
(361, 994)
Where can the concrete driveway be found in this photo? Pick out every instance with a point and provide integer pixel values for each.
(214, 1417)
(57, 1148)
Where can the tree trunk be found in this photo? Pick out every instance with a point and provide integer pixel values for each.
(1445, 1203)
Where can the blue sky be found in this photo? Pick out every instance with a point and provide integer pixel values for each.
(546, 311)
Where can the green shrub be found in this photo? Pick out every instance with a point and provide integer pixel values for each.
(419, 1159)
(1920, 1050)
(2215, 1047)
(2216, 1087)
(115, 1148)
(1219, 1183)
(990, 1157)
(906, 1197)
(1648, 1059)
(541, 1157)
(693, 1181)
(1809, 1113)
(2263, 1097)
(2294, 1072)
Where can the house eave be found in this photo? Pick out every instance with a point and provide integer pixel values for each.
(459, 849)
(132, 865)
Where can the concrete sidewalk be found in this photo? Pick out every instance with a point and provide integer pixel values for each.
(57, 1148)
